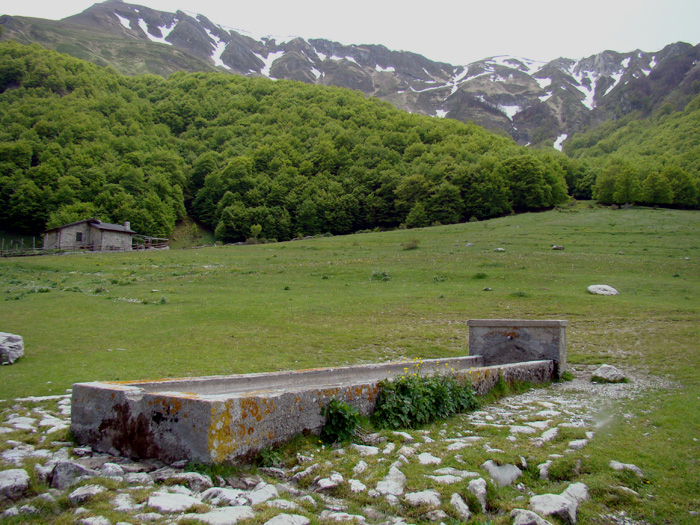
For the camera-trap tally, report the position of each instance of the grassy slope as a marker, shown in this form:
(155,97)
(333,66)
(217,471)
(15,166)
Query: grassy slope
(313,303)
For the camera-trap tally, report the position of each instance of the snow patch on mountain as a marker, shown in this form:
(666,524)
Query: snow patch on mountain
(510,111)
(560,140)
(219,48)
(544,83)
(616,79)
(124,21)
(441,113)
(381,69)
(268,61)
(165,31)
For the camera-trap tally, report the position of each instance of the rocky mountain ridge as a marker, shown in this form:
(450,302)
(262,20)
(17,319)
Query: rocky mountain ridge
(534,102)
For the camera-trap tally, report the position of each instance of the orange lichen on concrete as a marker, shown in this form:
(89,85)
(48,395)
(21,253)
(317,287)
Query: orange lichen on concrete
(221,443)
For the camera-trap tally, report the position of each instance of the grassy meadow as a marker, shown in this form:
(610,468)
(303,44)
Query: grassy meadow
(376,297)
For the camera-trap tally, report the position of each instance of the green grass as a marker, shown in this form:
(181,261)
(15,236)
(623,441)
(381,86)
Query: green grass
(317,303)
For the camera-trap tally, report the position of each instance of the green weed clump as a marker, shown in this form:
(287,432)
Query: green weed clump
(414,400)
(341,422)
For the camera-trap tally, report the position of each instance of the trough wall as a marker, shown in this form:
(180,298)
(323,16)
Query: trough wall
(501,341)
(207,424)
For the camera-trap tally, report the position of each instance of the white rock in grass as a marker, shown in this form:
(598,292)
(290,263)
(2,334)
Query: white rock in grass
(460,507)
(616,465)
(365,450)
(554,505)
(426,497)
(602,289)
(360,468)
(171,503)
(11,348)
(527,517)
(393,483)
(577,492)
(223,515)
(14,483)
(503,475)
(356,486)
(288,519)
(608,374)
(478,488)
(85,493)
(426,458)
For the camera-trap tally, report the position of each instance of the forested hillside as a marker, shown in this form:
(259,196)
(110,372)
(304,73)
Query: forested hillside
(80,141)
(652,161)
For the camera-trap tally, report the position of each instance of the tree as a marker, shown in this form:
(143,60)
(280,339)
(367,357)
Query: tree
(525,177)
(417,217)
(684,189)
(627,189)
(656,189)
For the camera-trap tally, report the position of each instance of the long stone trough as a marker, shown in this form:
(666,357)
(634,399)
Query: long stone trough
(226,418)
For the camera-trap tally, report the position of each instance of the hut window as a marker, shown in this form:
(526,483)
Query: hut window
(79,237)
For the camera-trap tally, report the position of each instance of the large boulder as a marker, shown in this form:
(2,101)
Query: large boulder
(11,348)
(608,374)
(602,289)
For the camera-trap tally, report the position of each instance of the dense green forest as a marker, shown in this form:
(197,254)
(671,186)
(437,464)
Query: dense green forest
(652,160)
(249,157)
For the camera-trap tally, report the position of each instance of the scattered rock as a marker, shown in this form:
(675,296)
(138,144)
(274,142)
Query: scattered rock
(428,459)
(283,504)
(578,444)
(85,493)
(426,497)
(554,505)
(224,497)
(500,250)
(11,348)
(503,475)
(171,503)
(331,482)
(544,469)
(616,465)
(478,487)
(356,486)
(608,374)
(436,515)
(306,472)
(365,450)
(393,483)
(557,247)
(193,480)
(14,484)
(288,519)
(602,289)
(405,437)
(359,468)
(328,515)
(527,517)
(95,520)
(577,492)
(223,515)
(262,493)
(460,507)
(65,473)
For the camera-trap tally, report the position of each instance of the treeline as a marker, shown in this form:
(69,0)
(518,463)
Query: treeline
(653,161)
(244,156)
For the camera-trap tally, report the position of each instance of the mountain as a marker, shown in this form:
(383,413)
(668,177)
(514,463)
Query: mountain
(534,102)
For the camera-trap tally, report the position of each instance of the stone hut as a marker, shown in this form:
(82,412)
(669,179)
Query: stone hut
(90,234)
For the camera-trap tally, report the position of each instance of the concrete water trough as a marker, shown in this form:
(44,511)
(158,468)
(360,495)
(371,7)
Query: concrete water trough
(224,418)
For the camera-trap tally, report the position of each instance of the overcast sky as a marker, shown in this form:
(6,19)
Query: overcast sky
(453,31)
